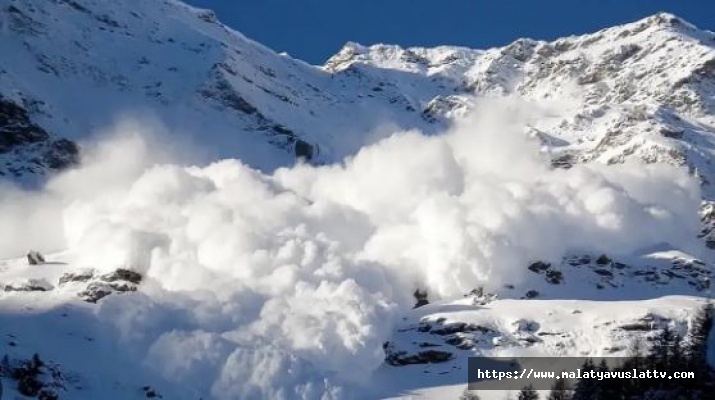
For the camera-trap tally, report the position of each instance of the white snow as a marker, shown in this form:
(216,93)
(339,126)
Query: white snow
(266,278)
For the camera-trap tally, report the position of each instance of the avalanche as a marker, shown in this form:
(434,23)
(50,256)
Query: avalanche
(286,285)
(568,171)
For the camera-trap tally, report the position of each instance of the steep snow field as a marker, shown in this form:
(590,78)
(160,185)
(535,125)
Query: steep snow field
(190,255)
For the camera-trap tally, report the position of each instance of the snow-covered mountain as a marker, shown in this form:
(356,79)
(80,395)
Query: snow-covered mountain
(570,178)
(642,89)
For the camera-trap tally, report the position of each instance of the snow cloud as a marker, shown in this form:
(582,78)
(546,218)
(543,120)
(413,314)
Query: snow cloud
(285,285)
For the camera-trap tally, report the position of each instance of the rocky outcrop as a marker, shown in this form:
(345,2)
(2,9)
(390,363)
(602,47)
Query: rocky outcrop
(16,129)
(34,377)
(28,285)
(95,287)
(35,258)
(396,357)
(551,274)
(304,150)
(26,147)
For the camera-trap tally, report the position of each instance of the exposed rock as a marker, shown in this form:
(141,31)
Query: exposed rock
(565,161)
(603,260)
(580,260)
(420,298)
(96,291)
(672,133)
(529,339)
(554,277)
(461,342)
(304,150)
(34,377)
(79,276)
(122,274)
(614,349)
(647,323)
(16,129)
(222,91)
(151,393)
(539,267)
(208,16)
(35,258)
(399,357)
(478,292)
(61,154)
(28,285)
(479,298)
(441,107)
(119,281)
(524,325)
(424,327)
(458,327)
(532,294)
(23,140)
(636,326)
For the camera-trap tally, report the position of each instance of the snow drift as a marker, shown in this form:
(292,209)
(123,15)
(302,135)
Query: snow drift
(285,285)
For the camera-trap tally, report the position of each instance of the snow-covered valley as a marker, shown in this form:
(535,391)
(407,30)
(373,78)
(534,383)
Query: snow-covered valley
(218,221)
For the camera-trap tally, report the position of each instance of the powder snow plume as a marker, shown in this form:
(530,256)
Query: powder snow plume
(285,285)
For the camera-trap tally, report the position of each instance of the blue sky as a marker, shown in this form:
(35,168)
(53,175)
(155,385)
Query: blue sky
(313,30)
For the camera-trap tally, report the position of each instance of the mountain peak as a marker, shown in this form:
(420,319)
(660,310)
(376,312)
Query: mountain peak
(664,21)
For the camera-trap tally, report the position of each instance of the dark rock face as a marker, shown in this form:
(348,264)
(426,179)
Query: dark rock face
(420,298)
(35,258)
(525,325)
(122,274)
(565,161)
(151,393)
(61,154)
(458,327)
(31,146)
(118,281)
(603,260)
(399,358)
(34,377)
(579,260)
(554,277)
(81,276)
(304,150)
(647,323)
(98,290)
(16,128)
(539,267)
(551,275)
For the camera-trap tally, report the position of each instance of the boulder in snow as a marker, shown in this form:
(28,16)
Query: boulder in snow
(122,274)
(77,276)
(35,258)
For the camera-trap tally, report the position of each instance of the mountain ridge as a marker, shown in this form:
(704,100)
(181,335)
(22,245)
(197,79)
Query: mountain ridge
(462,175)
(427,87)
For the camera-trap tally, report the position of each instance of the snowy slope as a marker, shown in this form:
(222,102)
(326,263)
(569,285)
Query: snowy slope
(640,90)
(548,173)
(643,89)
(79,66)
